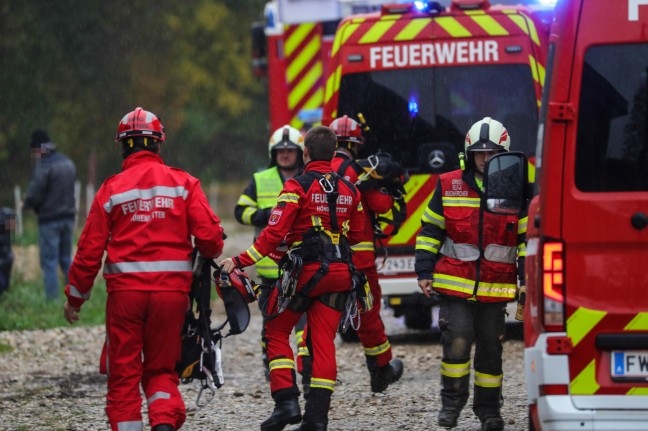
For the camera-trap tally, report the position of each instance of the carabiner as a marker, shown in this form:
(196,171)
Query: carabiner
(326,185)
(212,393)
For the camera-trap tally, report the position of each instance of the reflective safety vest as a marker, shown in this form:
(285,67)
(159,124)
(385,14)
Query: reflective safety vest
(268,185)
(472,266)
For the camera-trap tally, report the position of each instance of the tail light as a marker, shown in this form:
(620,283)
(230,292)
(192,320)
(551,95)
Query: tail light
(553,286)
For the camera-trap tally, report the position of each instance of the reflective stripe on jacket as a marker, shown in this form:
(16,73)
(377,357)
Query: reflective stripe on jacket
(299,208)
(144,218)
(466,257)
(268,186)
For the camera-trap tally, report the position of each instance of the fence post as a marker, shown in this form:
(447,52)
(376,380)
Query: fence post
(18,204)
(89,195)
(77,201)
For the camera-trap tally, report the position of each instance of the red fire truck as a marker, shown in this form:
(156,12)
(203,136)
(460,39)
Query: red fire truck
(586,316)
(420,74)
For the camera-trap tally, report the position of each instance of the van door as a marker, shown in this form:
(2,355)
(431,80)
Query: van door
(605,210)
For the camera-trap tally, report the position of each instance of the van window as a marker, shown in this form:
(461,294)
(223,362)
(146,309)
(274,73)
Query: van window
(612,137)
(411,111)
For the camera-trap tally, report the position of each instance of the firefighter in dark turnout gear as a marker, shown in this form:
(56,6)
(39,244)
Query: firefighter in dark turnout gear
(285,148)
(468,256)
(319,215)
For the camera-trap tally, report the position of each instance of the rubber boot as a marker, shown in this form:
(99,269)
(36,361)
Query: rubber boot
(493,423)
(448,417)
(309,426)
(306,373)
(286,412)
(382,377)
(316,411)
(163,427)
(454,395)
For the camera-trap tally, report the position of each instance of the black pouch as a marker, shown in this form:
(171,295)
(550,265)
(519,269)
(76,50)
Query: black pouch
(311,246)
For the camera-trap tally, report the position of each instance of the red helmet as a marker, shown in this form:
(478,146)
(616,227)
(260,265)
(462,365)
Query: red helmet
(237,291)
(140,123)
(239,281)
(347,130)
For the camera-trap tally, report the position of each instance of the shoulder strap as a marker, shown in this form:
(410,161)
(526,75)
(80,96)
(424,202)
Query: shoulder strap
(343,167)
(329,184)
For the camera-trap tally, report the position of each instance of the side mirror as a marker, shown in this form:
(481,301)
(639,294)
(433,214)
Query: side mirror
(505,183)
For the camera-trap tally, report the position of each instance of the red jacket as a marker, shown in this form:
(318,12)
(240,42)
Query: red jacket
(479,258)
(373,202)
(296,211)
(144,218)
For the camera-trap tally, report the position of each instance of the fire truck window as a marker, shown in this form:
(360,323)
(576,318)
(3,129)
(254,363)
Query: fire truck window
(612,137)
(415,113)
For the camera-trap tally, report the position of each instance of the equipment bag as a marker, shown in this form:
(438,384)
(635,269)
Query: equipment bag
(201,344)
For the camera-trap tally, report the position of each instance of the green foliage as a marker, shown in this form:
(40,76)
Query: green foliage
(30,231)
(75,67)
(24,306)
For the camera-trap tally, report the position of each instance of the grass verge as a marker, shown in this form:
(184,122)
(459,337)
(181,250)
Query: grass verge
(24,307)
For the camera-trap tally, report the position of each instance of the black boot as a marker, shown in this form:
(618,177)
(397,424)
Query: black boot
(163,427)
(316,411)
(383,376)
(311,426)
(286,412)
(492,423)
(306,373)
(448,417)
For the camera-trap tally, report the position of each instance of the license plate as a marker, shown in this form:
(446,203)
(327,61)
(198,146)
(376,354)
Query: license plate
(632,364)
(396,265)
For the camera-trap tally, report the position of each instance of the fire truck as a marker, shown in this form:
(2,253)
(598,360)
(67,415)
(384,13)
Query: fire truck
(420,74)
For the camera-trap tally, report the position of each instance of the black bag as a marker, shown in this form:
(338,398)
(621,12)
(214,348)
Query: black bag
(7,220)
(201,344)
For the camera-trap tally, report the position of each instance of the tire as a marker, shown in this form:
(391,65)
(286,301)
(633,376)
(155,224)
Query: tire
(418,317)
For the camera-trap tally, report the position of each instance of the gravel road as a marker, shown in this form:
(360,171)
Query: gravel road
(50,381)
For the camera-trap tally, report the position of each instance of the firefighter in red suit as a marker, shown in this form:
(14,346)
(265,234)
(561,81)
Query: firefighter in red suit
(144,218)
(378,352)
(303,216)
(471,258)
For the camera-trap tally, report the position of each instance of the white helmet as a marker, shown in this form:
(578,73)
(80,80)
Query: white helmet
(487,135)
(285,137)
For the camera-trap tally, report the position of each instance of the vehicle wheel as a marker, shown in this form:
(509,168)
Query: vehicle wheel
(418,317)
(350,336)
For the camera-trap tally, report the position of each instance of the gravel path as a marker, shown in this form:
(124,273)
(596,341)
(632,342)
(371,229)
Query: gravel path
(50,381)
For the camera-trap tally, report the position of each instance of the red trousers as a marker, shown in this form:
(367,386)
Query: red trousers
(322,323)
(143,345)
(372,330)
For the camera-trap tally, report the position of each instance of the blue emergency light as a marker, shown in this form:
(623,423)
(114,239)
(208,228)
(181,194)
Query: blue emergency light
(413,106)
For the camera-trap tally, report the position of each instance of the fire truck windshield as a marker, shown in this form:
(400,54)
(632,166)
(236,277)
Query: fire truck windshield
(413,113)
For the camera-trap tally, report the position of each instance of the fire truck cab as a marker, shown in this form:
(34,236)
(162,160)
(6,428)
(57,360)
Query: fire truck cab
(586,315)
(421,74)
